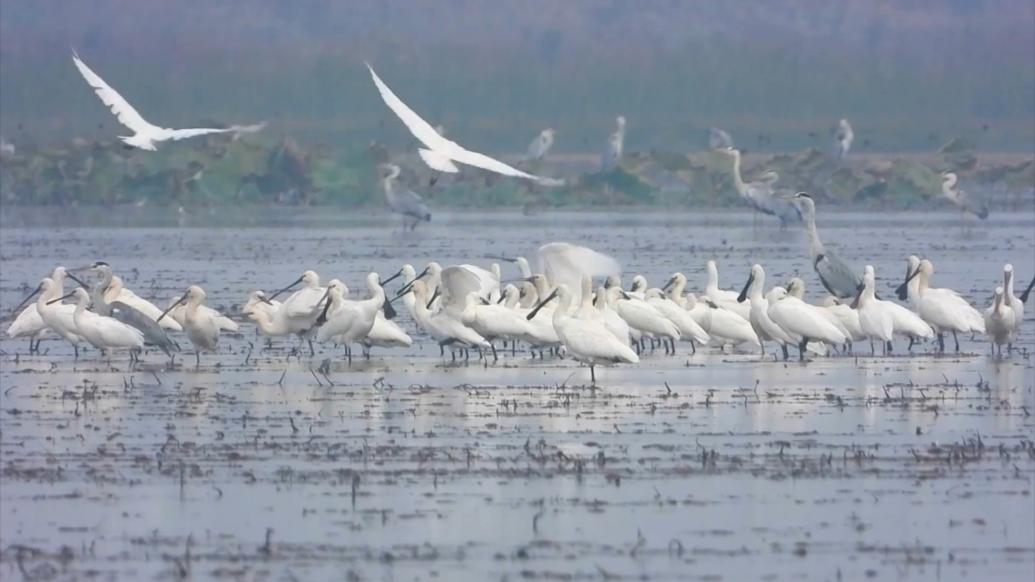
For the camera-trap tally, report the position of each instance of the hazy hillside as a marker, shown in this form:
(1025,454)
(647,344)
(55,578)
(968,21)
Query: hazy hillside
(910,74)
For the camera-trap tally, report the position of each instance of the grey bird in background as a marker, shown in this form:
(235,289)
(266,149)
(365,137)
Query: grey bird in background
(837,277)
(615,143)
(843,139)
(403,201)
(719,139)
(540,146)
(968,205)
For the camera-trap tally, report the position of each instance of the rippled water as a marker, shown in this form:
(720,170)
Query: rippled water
(699,466)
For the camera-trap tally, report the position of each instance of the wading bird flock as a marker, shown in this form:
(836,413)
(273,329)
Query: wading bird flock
(574,305)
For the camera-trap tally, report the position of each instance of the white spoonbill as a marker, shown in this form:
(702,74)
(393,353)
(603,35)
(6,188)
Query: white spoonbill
(802,321)
(59,318)
(445,326)
(588,341)
(202,326)
(353,322)
(1015,303)
(688,328)
(562,262)
(763,324)
(178,310)
(721,297)
(28,322)
(723,325)
(606,299)
(145,135)
(647,320)
(104,333)
(875,321)
(944,309)
(999,322)
(385,333)
(796,288)
(493,322)
(440,153)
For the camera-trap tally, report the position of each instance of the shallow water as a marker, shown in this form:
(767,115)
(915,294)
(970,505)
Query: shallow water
(701,466)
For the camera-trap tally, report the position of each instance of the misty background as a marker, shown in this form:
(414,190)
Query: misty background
(908,74)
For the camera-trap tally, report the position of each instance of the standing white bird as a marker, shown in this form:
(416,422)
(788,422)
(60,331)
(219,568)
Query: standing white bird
(1015,303)
(540,146)
(721,297)
(644,318)
(588,341)
(59,318)
(28,322)
(352,323)
(802,321)
(178,311)
(385,333)
(944,309)
(843,139)
(103,333)
(301,309)
(968,205)
(999,322)
(764,326)
(689,329)
(403,201)
(493,321)
(615,145)
(876,322)
(438,152)
(724,325)
(445,326)
(202,326)
(145,135)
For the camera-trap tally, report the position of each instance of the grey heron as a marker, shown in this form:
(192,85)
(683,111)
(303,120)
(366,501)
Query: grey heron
(761,195)
(150,328)
(967,204)
(403,201)
(843,139)
(837,277)
(541,145)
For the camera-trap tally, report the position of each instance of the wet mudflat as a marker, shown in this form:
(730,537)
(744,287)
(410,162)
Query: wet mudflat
(266,463)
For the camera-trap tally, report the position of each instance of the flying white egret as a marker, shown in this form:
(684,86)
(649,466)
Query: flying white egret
(145,135)
(438,152)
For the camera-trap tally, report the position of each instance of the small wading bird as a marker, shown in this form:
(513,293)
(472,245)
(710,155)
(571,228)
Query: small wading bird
(145,136)
(439,153)
(202,327)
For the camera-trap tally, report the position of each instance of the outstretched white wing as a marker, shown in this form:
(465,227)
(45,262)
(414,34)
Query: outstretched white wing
(491,164)
(420,129)
(123,111)
(178,134)
(441,150)
(567,263)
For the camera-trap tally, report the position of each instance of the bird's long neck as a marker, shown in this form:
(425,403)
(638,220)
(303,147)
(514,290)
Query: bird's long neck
(815,245)
(1008,283)
(755,293)
(713,279)
(676,291)
(738,181)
